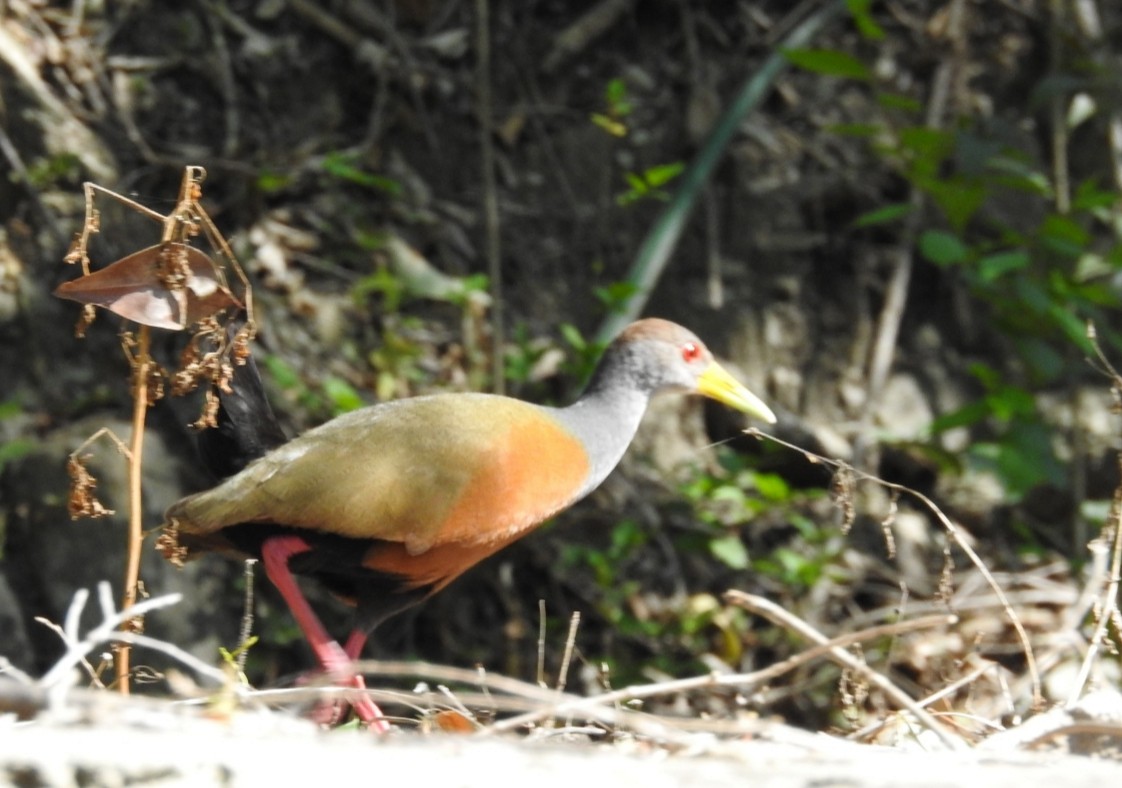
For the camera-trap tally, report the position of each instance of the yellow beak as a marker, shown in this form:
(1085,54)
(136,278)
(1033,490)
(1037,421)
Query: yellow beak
(718,384)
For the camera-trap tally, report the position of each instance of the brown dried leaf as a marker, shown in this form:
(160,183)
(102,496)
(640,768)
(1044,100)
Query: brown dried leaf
(450,721)
(167,544)
(82,502)
(169,285)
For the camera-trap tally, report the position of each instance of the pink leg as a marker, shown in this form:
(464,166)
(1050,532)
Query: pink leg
(355,642)
(333,658)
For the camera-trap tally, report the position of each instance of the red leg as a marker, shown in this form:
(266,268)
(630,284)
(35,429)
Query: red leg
(355,642)
(335,660)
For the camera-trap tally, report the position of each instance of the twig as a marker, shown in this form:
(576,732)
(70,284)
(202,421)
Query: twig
(1109,599)
(1057,109)
(896,293)
(1109,604)
(247,615)
(777,615)
(956,536)
(570,645)
(540,674)
(1088,728)
(864,733)
(141,369)
(10,670)
(572,705)
(493,239)
(591,25)
(77,648)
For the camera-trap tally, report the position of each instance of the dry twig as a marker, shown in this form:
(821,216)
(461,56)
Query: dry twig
(955,533)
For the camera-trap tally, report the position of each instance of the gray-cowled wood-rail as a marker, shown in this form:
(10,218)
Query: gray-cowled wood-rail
(388,504)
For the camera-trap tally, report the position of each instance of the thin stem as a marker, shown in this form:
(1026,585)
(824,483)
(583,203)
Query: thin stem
(142,364)
(490,189)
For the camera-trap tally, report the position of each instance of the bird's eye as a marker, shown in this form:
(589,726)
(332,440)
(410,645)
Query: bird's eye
(691,352)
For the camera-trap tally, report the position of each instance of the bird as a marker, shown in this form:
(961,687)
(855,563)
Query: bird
(388,504)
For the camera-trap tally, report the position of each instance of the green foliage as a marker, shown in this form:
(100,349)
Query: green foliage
(382,282)
(617,107)
(15,449)
(348,167)
(331,398)
(861,11)
(1043,271)
(522,355)
(828,62)
(396,359)
(586,354)
(47,172)
(724,506)
(231,658)
(1019,447)
(272,182)
(885,215)
(615,295)
(647,184)
(341,395)
(741,495)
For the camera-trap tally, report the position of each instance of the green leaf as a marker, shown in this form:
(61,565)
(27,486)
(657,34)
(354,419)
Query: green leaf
(1072,325)
(958,198)
(1032,295)
(1064,235)
(663,173)
(966,416)
(866,25)
(610,125)
(926,142)
(345,166)
(888,213)
(573,337)
(283,373)
(899,101)
(14,449)
(616,96)
(342,395)
(615,294)
(1010,402)
(729,494)
(1017,174)
(272,182)
(1089,196)
(1022,459)
(772,486)
(992,267)
(942,248)
(855,129)
(985,374)
(1043,359)
(828,62)
(730,551)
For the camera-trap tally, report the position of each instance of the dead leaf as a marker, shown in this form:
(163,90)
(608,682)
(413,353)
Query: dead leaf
(169,285)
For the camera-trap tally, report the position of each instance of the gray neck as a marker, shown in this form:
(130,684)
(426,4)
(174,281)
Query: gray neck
(605,419)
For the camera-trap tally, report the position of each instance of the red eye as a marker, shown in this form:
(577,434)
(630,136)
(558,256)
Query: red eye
(691,352)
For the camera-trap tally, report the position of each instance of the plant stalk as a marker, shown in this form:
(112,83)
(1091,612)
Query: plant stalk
(142,363)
